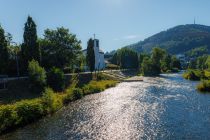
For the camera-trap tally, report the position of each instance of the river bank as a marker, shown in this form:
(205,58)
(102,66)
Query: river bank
(23,112)
(165,107)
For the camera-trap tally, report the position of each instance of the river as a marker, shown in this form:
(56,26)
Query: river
(166,107)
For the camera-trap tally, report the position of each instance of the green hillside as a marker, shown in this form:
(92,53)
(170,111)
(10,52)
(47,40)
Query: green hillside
(179,39)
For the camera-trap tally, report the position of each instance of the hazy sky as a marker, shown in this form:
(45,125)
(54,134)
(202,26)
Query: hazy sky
(116,23)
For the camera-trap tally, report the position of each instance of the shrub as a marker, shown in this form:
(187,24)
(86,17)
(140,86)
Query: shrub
(204,86)
(100,76)
(48,100)
(72,95)
(8,117)
(56,79)
(77,94)
(28,111)
(95,87)
(37,76)
(192,75)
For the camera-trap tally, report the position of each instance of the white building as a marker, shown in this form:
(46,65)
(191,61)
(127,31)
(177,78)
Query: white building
(99,56)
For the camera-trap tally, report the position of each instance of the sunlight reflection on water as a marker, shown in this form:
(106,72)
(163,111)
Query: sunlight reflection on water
(166,107)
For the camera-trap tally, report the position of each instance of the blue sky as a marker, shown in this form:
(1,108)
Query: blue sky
(115,22)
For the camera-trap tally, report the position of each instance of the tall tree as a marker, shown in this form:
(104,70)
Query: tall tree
(157,55)
(90,55)
(4,55)
(30,48)
(60,48)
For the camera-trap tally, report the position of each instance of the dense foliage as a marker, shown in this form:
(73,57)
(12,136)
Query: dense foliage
(4,54)
(159,61)
(30,47)
(37,76)
(199,69)
(126,58)
(59,48)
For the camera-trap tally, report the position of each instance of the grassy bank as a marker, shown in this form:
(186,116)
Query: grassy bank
(199,75)
(26,111)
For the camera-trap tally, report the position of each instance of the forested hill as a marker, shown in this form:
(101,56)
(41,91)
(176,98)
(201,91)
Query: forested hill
(179,39)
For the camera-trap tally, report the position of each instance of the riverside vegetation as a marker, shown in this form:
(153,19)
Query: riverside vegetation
(199,70)
(27,111)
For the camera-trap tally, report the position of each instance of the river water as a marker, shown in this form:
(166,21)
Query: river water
(166,107)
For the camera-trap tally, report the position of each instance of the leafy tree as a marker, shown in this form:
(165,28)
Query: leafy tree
(147,67)
(13,64)
(126,58)
(4,55)
(60,48)
(166,63)
(56,79)
(175,63)
(157,55)
(90,58)
(200,63)
(30,48)
(37,76)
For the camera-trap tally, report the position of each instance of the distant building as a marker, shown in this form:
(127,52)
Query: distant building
(99,56)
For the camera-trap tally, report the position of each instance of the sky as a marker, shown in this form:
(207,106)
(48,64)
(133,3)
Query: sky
(116,23)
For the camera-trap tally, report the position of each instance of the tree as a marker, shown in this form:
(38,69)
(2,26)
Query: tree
(175,63)
(4,55)
(147,67)
(60,48)
(166,63)
(30,48)
(126,58)
(157,55)
(90,58)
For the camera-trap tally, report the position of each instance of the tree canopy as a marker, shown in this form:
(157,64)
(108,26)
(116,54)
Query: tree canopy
(59,48)
(30,48)
(4,54)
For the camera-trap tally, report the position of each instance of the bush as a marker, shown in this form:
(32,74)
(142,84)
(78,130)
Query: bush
(77,94)
(95,87)
(37,76)
(8,117)
(204,86)
(72,95)
(48,100)
(56,79)
(28,111)
(192,75)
